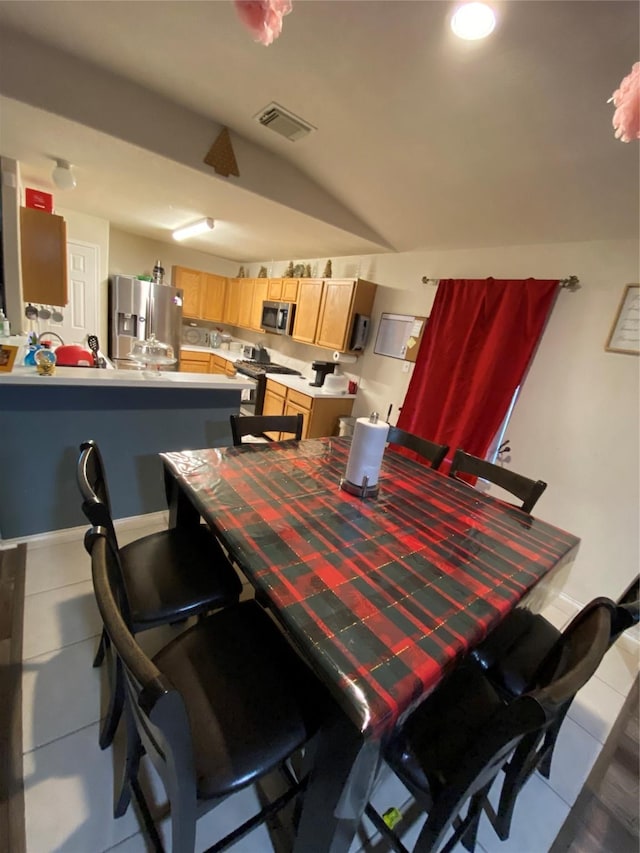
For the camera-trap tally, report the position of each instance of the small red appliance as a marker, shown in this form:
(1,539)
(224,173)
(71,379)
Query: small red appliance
(72,355)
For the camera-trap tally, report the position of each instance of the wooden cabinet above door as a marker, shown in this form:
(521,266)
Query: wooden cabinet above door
(214,295)
(43,241)
(192,284)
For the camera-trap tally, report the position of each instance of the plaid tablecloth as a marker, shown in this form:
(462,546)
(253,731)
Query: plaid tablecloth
(381,595)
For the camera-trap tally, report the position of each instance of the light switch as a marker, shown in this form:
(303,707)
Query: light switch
(405,366)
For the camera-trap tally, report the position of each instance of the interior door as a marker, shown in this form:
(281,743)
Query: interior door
(80,315)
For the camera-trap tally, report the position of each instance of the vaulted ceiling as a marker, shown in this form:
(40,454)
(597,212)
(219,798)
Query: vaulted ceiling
(422,141)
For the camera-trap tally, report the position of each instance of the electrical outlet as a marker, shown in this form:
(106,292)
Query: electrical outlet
(405,366)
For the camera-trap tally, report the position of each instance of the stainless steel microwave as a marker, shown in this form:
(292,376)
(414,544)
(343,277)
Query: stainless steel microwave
(277,317)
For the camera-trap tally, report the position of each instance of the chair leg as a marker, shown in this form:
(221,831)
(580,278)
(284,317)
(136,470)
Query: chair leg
(550,744)
(103,645)
(183,816)
(116,700)
(130,766)
(523,762)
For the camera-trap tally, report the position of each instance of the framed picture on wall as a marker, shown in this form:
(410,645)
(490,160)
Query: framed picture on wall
(7,357)
(625,332)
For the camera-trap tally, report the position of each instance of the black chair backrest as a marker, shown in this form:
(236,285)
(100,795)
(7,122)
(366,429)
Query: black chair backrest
(577,655)
(580,650)
(528,491)
(435,453)
(156,706)
(242,425)
(92,483)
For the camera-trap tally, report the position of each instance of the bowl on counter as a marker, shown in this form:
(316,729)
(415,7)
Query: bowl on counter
(335,384)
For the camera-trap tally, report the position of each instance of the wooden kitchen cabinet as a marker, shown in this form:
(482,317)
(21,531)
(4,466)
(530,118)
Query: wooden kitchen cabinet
(217,364)
(191,283)
(320,415)
(245,309)
(213,297)
(194,362)
(260,290)
(341,300)
(43,240)
(283,289)
(232,301)
(307,310)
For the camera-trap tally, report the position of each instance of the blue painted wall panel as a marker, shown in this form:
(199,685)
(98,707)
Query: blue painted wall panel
(41,429)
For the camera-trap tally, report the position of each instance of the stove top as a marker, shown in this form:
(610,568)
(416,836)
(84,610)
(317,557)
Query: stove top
(255,368)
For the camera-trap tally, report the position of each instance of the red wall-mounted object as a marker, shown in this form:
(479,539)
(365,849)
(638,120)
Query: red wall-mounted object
(38,200)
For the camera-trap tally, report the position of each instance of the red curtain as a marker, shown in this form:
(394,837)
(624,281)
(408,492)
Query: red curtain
(479,341)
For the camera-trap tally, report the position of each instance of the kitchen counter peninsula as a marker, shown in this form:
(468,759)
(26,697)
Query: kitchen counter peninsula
(133,415)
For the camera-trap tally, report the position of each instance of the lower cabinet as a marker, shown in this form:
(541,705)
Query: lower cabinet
(320,414)
(204,362)
(194,362)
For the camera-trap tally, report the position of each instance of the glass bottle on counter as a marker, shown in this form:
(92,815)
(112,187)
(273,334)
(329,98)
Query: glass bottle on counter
(158,273)
(5,325)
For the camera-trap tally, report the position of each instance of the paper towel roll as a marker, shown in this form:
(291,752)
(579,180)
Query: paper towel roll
(367,450)
(343,358)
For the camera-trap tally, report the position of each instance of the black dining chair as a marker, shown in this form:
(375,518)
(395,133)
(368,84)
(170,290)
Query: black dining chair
(526,490)
(434,453)
(169,575)
(515,657)
(451,748)
(224,704)
(258,425)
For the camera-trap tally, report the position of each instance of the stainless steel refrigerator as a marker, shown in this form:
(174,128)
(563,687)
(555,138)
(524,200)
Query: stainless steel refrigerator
(138,309)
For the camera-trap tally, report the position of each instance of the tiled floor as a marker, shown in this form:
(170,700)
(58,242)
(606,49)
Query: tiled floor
(68,780)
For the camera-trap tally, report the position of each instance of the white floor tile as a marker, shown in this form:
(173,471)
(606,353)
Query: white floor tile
(58,618)
(556,616)
(596,708)
(68,797)
(538,816)
(574,755)
(135,844)
(619,667)
(61,693)
(58,565)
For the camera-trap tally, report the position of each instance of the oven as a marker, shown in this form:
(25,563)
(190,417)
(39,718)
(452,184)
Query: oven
(252,399)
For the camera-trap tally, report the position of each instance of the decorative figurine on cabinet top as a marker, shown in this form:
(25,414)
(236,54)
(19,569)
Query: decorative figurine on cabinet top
(327,270)
(241,273)
(289,270)
(262,272)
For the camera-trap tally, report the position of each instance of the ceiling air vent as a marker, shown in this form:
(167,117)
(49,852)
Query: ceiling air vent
(283,122)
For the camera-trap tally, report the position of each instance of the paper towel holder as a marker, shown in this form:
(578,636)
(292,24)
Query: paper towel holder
(363,490)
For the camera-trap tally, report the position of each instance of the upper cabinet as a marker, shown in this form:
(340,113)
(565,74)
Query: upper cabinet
(260,293)
(307,310)
(204,293)
(326,310)
(214,296)
(191,282)
(43,241)
(282,289)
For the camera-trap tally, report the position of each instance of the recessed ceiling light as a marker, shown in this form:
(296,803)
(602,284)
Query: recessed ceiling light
(473,21)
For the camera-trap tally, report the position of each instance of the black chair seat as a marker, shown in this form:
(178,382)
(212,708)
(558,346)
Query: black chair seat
(512,654)
(173,574)
(238,654)
(436,740)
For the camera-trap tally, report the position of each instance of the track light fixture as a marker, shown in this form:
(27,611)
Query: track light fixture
(62,175)
(193,230)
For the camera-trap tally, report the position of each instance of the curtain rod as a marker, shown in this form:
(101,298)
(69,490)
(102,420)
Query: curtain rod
(571,283)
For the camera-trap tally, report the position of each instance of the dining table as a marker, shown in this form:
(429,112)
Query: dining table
(381,595)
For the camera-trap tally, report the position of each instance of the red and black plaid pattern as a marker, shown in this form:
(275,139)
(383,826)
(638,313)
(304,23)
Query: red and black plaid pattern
(382,595)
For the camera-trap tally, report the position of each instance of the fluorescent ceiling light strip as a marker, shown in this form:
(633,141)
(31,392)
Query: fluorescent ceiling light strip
(193,230)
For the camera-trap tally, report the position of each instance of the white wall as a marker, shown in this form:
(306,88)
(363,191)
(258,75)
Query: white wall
(130,254)
(577,422)
(10,171)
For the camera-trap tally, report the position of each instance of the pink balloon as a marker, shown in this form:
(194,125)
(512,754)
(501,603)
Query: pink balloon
(626,99)
(263,17)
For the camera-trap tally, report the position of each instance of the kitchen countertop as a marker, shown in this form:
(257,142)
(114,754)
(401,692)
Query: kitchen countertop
(75,376)
(299,383)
